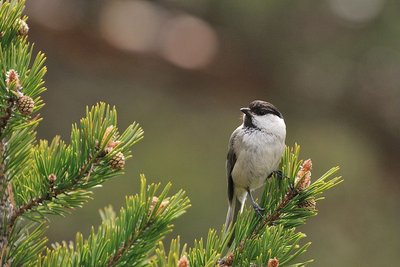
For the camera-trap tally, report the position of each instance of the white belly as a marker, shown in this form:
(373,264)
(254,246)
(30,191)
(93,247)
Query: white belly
(259,156)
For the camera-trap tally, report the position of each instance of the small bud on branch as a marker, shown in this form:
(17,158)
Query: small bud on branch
(12,80)
(23,27)
(52,178)
(227,261)
(274,262)
(154,202)
(111,144)
(303,178)
(183,262)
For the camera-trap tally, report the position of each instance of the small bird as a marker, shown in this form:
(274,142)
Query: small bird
(254,152)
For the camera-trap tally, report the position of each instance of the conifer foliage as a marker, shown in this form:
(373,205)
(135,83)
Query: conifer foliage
(39,178)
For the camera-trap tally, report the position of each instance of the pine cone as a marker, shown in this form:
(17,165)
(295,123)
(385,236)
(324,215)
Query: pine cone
(25,105)
(309,204)
(118,161)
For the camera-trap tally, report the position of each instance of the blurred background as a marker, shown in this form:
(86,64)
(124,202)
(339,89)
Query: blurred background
(182,69)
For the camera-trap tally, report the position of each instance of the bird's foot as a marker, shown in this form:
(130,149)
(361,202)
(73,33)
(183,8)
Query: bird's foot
(278,174)
(258,209)
(292,188)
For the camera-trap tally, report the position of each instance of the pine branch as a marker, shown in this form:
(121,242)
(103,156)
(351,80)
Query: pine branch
(268,241)
(30,242)
(16,108)
(275,216)
(53,193)
(283,199)
(90,159)
(293,191)
(126,245)
(10,12)
(270,219)
(127,239)
(4,205)
(177,256)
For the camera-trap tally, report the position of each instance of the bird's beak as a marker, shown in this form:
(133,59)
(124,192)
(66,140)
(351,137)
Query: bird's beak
(245,111)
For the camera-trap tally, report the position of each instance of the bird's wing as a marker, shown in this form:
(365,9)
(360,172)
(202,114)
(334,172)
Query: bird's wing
(230,163)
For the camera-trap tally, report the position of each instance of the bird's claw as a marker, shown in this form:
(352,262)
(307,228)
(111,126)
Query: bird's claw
(258,209)
(292,187)
(278,174)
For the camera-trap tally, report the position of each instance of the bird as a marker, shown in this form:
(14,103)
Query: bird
(254,152)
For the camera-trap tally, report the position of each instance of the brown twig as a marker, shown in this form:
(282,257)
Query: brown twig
(275,216)
(6,208)
(114,259)
(292,192)
(7,115)
(32,203)
(270,219)
(119,253)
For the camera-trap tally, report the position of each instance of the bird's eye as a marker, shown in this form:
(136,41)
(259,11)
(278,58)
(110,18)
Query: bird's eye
(262,112)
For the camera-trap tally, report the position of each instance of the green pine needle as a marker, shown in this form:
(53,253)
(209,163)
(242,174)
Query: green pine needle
(126,239)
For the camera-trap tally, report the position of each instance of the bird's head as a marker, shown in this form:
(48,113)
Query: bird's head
(261,115)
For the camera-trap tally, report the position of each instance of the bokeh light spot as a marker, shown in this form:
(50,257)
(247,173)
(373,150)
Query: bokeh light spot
(56,14)
(188,42)
(130,25)
(357,11)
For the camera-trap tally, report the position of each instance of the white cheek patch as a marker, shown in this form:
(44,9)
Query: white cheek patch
(271,124)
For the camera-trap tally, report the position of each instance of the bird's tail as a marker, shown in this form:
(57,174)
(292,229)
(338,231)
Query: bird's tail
(235,206)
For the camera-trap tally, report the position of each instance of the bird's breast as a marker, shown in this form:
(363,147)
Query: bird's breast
(258,155)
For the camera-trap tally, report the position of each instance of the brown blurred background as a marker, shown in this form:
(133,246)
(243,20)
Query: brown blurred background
(182,69)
